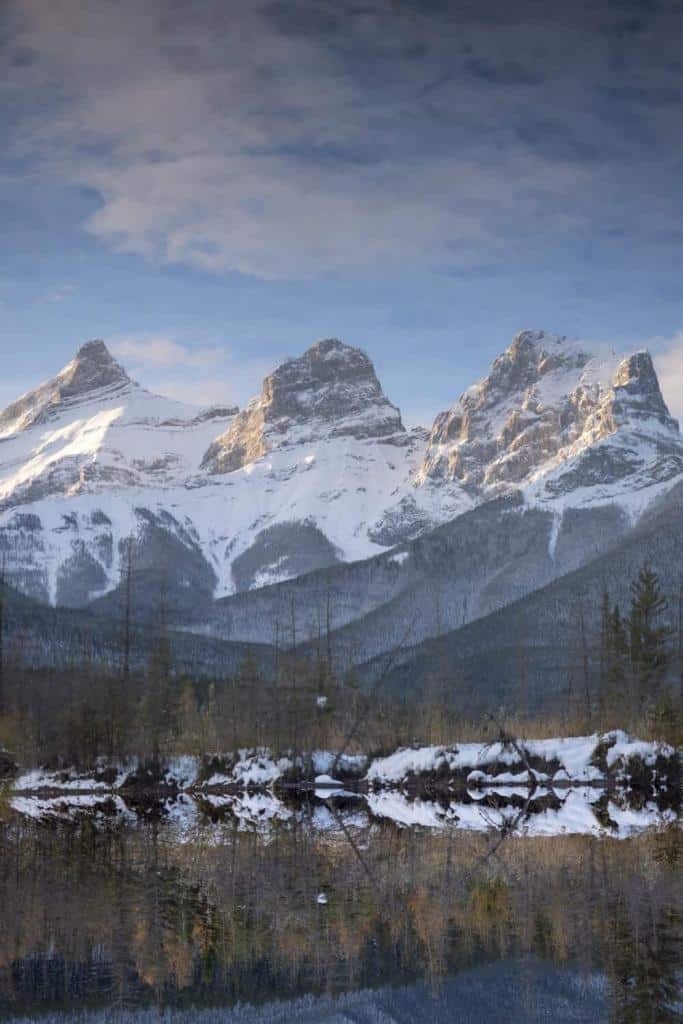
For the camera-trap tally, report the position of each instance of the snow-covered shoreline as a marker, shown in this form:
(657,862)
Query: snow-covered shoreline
(613,758)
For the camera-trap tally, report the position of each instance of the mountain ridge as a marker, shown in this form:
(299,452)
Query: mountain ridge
(317,470)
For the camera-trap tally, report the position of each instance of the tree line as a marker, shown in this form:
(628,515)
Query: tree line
(146,704)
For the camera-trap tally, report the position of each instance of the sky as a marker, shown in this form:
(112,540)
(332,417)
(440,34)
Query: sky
(211,186)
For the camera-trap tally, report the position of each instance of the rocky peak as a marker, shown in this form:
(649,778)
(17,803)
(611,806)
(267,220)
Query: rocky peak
(546,400)
(331,390)
(93,368)
(331,382)
(531,356)
(637,393)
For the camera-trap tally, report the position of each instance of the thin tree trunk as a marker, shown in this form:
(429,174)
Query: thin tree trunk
(2,634)
(328,635)
(586,674)
(127,607)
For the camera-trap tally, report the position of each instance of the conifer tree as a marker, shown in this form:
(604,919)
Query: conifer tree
(613,654)
(648,635)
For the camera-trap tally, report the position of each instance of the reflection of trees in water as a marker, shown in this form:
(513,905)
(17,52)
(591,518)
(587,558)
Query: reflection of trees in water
(643,961)
(128,917)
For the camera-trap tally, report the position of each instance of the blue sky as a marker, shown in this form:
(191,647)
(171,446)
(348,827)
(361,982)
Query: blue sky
(212,186)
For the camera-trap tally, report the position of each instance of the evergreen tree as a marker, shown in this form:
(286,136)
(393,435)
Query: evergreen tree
(643,970)
(613,655)
(612,646)
(648,636)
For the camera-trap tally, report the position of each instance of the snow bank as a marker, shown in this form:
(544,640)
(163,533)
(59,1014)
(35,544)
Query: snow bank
(40,779)
(576,760)
(251,769)
(563,760)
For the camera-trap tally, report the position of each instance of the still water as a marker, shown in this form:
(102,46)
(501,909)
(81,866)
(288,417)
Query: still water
(331,911)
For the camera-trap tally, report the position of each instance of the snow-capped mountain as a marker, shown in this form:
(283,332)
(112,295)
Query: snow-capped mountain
(91,427)
(569,426)
(297,481)
(317,470)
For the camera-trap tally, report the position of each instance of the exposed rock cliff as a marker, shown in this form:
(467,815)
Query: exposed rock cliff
(92,369)
(555,417)
(330,391)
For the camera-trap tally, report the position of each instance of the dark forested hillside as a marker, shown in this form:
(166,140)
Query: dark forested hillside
(543,644)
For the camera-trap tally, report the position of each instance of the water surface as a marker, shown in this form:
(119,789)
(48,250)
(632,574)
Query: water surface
(335,911)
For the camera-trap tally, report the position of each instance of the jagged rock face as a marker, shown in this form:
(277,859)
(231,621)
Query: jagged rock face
(92,369)
(330,391)
(636,393)
(550,405)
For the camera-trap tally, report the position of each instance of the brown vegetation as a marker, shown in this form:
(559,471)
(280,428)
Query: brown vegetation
(132,917)
(71,717)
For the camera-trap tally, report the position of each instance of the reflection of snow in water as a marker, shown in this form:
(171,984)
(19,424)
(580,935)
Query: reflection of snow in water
(579,811)
(96,806)
(240,789)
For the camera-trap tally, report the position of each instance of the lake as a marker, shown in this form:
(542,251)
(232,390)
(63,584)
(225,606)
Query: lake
(253,909)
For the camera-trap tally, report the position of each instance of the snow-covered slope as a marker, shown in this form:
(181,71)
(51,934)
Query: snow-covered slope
(90,458)
(318,469)
(92,426)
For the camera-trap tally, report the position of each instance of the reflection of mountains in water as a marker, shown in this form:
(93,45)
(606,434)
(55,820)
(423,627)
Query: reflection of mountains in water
(586,810)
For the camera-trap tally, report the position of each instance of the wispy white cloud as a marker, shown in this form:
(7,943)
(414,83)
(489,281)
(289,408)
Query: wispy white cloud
(200,375)
(161,350)
(203,391)
(669,365)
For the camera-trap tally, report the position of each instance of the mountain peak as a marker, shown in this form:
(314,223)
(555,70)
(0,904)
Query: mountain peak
(531,355)
(637,394)
(322,382)
(330,355)
(331,390)
(95,349)
(92,368)
(547,400)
